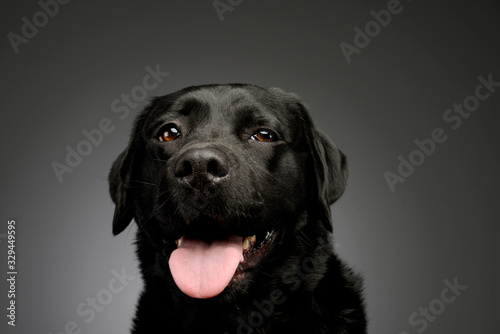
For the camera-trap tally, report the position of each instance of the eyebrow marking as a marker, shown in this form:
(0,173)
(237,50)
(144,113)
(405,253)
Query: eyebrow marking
(186,106)
(251,116)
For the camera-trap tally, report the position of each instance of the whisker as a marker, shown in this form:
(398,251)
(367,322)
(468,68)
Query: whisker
(142,182)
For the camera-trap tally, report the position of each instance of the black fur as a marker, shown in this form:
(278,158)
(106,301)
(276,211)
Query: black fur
(300,285)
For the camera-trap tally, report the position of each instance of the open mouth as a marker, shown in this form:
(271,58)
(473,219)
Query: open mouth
(253,252)
(206,262)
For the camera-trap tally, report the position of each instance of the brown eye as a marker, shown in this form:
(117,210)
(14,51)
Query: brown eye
(265,135)
(169,132)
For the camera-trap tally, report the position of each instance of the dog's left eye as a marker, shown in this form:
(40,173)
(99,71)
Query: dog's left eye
(169,132)
(265,135)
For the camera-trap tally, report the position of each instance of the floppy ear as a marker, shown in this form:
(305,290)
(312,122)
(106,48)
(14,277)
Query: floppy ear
(329,164)
(120,175)
(330,167)
(119,180)
(122,171)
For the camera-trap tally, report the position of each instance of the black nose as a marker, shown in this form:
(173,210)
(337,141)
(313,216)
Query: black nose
(200,166)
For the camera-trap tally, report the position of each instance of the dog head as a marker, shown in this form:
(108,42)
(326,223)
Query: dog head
(216,176)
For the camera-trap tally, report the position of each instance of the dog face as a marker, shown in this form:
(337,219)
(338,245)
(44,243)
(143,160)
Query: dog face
(221,179)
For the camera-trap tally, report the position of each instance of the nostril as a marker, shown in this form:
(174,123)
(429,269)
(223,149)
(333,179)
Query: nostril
(183,169)
(197,167)
(217,168)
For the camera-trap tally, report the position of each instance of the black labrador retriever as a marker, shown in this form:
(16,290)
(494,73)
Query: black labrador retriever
(231,187)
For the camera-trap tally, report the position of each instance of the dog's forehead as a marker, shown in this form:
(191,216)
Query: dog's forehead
(225,100)
(219,95)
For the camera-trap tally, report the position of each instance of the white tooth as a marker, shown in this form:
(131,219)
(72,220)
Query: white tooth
(179,241)
(246,243)
(268,235)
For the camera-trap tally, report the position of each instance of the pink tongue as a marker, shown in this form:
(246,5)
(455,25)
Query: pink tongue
(203,270)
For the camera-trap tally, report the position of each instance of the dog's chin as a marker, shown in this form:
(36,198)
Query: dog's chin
(210,261)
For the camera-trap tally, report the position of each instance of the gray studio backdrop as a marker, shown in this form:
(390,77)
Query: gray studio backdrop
(409,90)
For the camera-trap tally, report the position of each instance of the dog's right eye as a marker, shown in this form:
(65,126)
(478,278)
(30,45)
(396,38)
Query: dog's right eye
(169,132)
(265,135)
